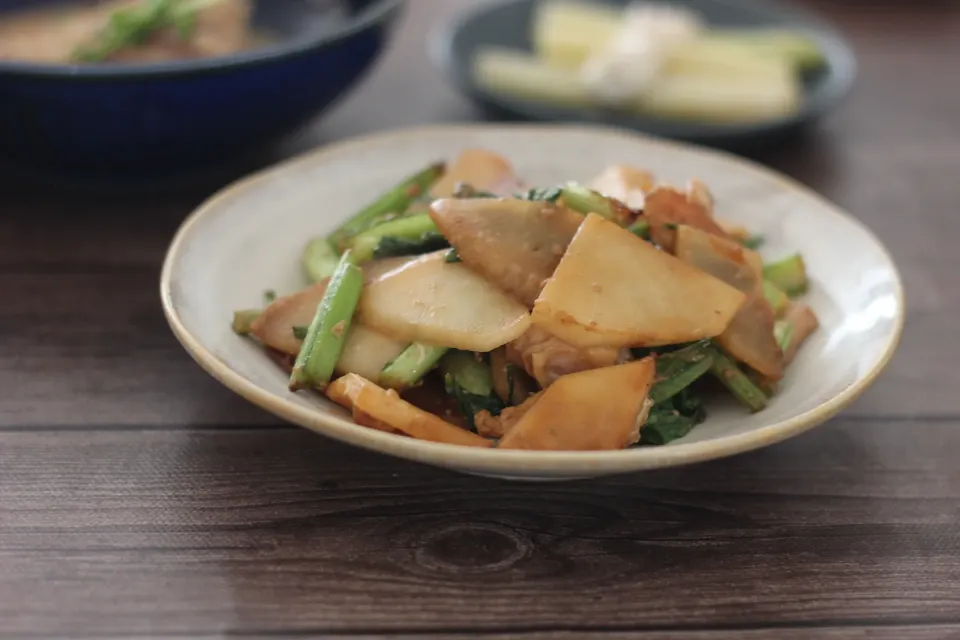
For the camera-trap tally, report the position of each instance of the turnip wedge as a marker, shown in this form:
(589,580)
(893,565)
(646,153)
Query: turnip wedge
(515,244)
(594,410)
(274,327)
(444,303)
(613,289)
(387,408)
(749,338)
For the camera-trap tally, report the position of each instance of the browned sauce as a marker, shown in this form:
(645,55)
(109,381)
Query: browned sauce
(53,35)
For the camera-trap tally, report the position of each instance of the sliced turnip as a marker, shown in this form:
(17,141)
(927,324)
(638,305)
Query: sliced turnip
(613,289)
(594,410)
(442,303)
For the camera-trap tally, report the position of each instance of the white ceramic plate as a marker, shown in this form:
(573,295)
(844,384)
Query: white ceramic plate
(248,238)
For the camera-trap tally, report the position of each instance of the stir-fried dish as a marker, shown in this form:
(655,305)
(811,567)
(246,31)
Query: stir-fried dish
(465,307)
(652,58)
(127,31)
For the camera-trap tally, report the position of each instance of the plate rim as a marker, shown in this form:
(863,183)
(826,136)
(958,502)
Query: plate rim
(511,462)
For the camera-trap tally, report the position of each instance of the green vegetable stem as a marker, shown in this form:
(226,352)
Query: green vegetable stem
(408,368)
(325,338)
(403,236)
(730,375)
(468,378)
(394,201)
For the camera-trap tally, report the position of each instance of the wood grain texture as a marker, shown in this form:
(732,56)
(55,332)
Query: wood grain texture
(166,532)
(138,498)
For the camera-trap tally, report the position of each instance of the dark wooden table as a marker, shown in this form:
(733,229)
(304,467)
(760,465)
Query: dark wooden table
(138,498)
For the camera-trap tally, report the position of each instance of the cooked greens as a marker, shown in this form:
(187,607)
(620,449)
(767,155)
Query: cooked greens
(508,312)
(468,379)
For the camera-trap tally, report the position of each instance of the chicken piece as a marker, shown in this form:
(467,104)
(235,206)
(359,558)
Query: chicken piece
(221,29)
(546,357)
(386,408)
(515,244)
(803,322)
(55,35)
(595,410)
(749,336)
(666,208)
(52,35)
(627,184)
(510,380)
(481,169)
(699,194)
(490,426)
(736,231)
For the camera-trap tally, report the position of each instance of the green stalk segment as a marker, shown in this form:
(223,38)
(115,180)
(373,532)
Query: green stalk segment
(468,379)
(776,298)
(408,368)
(243,320)
(402,236)
(783,332)
(679,369)
(728,373)
(789,274)
(394,201)
(640,228)
(319,259)
(325,338)
(583,200)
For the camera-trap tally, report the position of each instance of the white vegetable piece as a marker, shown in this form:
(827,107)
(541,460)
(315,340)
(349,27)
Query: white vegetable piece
(591,410)
(438,302)
(613,289)
(366,352)
(629,65)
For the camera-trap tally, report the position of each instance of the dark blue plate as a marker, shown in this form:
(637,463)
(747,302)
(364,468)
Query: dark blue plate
(507,24)
(119,122)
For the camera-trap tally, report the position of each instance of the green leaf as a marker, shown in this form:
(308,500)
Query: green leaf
(390,246)
(468,379)
(640,228)
(678,369)
(471,403)
(549,194)
(673,419)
